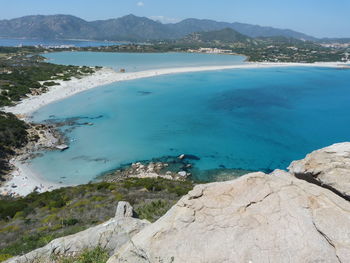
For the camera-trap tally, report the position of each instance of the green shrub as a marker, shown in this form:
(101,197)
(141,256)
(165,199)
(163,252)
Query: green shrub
(70,222)
(4,257)
(97,255)
(153,210)
(50,83)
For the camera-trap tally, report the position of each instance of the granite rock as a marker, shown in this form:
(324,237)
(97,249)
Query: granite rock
(256,218)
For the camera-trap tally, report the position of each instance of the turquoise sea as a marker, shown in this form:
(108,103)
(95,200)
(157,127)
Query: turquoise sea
(133,62)
(253,119)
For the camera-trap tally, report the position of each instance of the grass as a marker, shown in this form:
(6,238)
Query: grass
(97,255)
(32,222)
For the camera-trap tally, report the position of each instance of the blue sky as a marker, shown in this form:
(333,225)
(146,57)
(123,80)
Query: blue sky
(321,18)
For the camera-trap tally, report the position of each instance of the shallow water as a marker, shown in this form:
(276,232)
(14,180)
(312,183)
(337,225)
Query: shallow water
(250,119)
(133,62)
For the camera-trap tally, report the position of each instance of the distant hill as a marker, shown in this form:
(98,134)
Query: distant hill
(129,27)
(48,27)
(191,25)
(226,35)
(335,40)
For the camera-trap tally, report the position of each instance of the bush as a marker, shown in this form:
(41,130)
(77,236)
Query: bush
(4,257)
(70,222)
(10,209)
(153,210)
(97,255)
(33,221)
(50,83)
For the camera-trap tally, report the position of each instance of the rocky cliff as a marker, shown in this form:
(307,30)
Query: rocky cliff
(328,167)
(298,216)
(257,218)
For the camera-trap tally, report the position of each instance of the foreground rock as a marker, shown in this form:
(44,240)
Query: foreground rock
(301,216)
(329,167)
(256,218)
(110,235)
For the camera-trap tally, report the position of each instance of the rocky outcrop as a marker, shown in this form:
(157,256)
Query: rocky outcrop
(256,218)
(301,216)
(111,235)
(329,167)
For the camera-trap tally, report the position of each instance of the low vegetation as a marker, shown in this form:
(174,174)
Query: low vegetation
(263,49)
(23,73)
(13,134)
(97,255)
(32,222)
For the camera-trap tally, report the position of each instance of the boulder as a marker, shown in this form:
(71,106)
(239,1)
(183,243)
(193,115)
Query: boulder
(124,210)
(255,218)
(110,235)
(329,167)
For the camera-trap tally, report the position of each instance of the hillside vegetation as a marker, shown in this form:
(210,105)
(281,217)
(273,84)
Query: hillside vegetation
(22,73)
(226,35)
(32,222)
(13,134)
(126,28)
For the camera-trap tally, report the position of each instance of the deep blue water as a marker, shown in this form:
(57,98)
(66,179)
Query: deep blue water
(251,119)
(13,42)
(138,62)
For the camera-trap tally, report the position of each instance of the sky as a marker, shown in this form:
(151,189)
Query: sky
(320,18)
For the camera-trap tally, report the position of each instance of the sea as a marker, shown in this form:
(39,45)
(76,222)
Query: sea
(241,119)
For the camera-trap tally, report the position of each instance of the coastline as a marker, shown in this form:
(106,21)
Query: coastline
(107,76)
(24,181)
(27,180)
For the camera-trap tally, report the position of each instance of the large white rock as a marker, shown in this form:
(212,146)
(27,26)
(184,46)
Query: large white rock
(109,235)
(330,166)
(256,218)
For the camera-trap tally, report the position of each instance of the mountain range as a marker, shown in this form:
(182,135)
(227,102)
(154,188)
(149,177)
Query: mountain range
(127,28)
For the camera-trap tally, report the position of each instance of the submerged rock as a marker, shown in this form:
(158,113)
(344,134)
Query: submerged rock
(62,147)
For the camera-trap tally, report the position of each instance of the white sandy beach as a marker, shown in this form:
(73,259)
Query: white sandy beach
(26,180)
(107,76)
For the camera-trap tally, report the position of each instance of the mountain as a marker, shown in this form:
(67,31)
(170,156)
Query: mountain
(191,25)
(47,27)
(128,27)
(131,28)
(226,35)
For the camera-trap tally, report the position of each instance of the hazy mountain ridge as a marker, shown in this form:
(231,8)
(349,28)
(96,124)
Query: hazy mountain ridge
(226,35)
(128,27)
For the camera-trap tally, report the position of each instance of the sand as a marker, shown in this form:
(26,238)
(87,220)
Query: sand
(25,181)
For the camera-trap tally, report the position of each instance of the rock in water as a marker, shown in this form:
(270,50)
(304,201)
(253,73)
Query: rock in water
(181,157)
(62,147)
(329,166)
(255,218)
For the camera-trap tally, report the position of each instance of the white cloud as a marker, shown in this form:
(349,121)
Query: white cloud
(140,4)
(164,19)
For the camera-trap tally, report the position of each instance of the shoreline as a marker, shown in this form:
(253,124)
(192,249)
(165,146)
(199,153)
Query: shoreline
(107,76)
(27,180)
